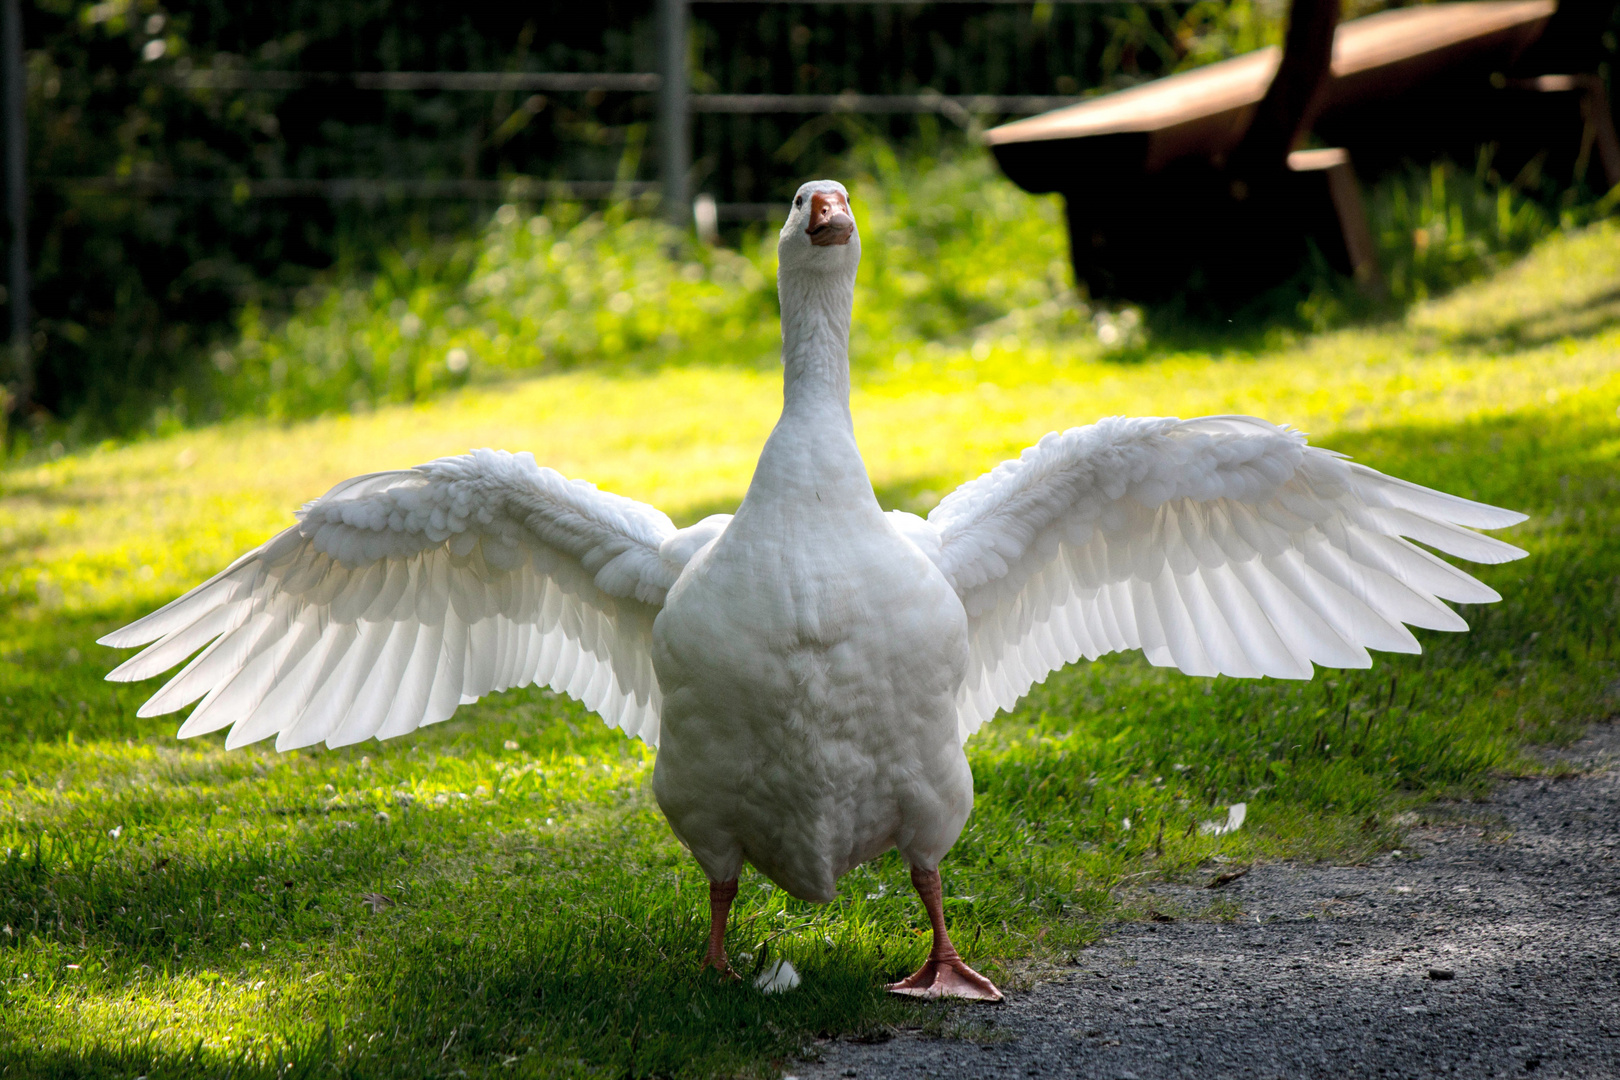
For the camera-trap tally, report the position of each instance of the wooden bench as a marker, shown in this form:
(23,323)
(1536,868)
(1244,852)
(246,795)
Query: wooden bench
(1170,180)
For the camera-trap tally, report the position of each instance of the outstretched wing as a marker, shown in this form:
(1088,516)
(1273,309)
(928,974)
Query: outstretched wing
(1224,545)
(401,595)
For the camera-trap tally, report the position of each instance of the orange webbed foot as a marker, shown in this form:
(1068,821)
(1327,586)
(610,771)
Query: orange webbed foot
(948,977)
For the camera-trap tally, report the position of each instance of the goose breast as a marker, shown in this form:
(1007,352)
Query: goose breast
(809,671)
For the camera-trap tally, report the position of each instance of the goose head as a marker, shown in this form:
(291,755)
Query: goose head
(820,235)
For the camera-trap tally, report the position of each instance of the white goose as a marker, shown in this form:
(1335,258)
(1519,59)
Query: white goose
(810,668)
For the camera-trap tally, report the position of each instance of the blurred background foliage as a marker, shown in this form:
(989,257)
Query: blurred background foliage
(168,294)
(956,251)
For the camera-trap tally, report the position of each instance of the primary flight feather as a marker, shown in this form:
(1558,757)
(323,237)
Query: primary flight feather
(810,668)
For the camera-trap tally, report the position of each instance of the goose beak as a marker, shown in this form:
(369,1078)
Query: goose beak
(830,223)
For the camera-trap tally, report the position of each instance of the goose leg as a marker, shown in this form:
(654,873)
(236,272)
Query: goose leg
(721,894)
(945,974)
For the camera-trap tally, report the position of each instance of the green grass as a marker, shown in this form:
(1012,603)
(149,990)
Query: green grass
(171,910)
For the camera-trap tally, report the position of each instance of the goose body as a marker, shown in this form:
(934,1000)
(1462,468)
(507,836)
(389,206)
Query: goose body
(810,668)
(809,659)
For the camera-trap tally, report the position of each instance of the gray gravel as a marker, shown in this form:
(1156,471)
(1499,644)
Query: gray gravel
(1490,946)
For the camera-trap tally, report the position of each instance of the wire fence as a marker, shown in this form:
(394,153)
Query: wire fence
(191,162)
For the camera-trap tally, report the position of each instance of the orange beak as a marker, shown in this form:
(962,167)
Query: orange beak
(830,223)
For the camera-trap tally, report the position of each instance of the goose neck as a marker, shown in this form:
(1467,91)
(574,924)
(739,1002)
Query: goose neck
(815,339)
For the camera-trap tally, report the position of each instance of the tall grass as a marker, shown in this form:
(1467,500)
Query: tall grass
(949,247)
(534,291)
(1438,226)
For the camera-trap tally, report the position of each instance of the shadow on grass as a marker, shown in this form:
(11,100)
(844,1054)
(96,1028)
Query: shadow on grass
(1553,321)
(1313,299)
(1316,299)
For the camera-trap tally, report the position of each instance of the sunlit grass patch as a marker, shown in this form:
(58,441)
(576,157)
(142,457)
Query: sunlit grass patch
(498,895)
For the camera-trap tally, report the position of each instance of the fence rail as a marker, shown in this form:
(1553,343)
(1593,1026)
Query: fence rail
(959,108)
(851,102)
(365,189)
(556,82)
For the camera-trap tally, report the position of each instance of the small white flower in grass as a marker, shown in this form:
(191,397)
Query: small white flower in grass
(382,817)
(1126,823)
(1234,821)
(510,744)
(116,831)
(779,978)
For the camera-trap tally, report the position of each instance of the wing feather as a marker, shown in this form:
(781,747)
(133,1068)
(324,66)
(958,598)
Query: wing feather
(411,700)
(211,668)
(298,686)
(1220,546)
(400,596)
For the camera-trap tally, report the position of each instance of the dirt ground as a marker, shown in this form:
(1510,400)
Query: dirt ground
(1488,946)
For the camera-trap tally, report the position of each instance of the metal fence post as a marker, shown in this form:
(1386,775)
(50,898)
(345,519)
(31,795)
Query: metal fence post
(15,87)
(674,117)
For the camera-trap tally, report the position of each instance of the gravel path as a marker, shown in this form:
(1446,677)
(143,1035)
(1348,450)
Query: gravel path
(1490,946)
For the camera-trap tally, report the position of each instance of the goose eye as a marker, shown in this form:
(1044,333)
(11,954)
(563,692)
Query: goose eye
(799,201)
